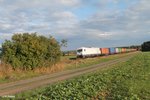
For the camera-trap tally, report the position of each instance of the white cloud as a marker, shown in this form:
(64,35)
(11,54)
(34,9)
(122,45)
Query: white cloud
(38,16)
(63,15)
(70,2)
(6,36)
(97,34)
(61,18)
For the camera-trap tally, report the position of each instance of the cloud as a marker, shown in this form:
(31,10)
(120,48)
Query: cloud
(107,22)
(72,3)
(65,15)
(42,16)
(6,36)
(117,27)
(131,22)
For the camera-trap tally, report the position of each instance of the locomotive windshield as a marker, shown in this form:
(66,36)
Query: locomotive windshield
(80,50)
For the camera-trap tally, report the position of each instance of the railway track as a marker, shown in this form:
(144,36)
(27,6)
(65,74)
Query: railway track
(28,84)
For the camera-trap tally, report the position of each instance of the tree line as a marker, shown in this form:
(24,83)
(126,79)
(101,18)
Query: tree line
(146,46)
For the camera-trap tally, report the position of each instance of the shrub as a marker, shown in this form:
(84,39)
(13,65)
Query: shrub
(27,51)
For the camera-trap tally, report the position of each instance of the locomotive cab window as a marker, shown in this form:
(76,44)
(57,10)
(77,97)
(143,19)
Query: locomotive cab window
(80,50)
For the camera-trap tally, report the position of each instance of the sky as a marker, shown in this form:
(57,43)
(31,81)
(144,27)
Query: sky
(83,23)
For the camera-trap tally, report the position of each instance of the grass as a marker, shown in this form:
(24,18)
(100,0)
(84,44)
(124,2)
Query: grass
(124,81)
(66,63)
(7,74)
(92,61)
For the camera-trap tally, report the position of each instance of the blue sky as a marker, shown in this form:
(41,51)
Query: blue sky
(97,23)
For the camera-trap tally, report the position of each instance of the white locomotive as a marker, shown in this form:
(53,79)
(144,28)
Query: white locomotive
(88,52)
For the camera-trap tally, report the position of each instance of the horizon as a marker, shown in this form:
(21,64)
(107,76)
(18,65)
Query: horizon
(84,23)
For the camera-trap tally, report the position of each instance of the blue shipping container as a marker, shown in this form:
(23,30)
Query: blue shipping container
(112,50)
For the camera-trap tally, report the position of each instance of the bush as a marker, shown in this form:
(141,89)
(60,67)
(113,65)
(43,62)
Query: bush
(27,51)
(146,46)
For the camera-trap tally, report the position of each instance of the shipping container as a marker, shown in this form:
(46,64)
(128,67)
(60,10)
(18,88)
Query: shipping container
(123,50)
(112,50)
(133,49)
(117,50)
(104,51)
(120,50)
(127,50)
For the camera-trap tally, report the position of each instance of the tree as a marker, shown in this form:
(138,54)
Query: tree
(64,44)
(146,46)
(28,51)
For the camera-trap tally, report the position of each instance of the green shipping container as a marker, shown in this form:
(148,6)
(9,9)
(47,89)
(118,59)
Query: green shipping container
(120,50)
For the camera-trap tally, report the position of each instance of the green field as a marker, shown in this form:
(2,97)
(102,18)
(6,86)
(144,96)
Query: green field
(124,81)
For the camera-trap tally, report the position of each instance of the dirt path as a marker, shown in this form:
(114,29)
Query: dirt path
(23,85)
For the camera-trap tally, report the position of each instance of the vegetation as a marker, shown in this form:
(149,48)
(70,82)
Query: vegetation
(28,51)
(69,53)
(63,44)
(0,51)
(128,80)
(71,62)
(7,74)
(146,46)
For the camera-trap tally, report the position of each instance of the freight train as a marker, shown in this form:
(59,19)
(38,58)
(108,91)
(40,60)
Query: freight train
(84,52)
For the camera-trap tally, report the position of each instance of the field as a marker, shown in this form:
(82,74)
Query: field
(123,81)
(66,63)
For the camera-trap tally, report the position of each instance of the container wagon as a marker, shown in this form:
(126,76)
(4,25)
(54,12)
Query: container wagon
(127,50)
(123,50)
(118,50)
(112,50)
(104,51)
